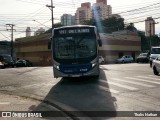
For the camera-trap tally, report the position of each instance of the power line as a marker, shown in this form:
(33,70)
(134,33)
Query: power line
(41,16)
(5,36)
(138,8)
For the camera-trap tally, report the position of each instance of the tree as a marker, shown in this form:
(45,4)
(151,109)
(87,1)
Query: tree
(144,42)
(89,22)
(147,41)
(113,24)
(108,25)
(155,40)
(97,23)
(131,27)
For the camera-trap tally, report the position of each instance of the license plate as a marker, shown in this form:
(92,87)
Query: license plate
(75,75)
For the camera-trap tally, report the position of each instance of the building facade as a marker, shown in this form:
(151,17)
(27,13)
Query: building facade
(114,45)
(101,10)
(39,31)
(28,32)
(103,1)
(149,26)
(119,43)
(83,13)
(67,20)
(35,49)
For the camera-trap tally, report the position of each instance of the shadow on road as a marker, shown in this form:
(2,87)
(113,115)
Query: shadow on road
(87,95)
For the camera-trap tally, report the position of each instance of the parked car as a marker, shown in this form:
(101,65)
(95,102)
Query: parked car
(143,57)
(155,52)
(6,61)
(125,59)
(1,65)
(23,63)
(29,63)
(156,65)
(101,60)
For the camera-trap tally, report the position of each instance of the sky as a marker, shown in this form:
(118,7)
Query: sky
(35,14)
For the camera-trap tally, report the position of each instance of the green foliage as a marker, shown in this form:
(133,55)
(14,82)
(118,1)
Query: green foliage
(155,40)
(89,22)
(113,24)
(146,42)
(131,27)
(109,25)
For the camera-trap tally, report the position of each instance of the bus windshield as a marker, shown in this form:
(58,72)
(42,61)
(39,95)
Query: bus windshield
(75,47)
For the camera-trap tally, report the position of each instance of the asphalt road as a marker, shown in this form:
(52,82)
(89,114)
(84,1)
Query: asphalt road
(122,88)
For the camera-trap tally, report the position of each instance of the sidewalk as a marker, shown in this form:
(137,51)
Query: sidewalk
(15,103)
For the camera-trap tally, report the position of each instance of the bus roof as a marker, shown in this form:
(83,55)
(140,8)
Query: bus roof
(5,55)
(156,47)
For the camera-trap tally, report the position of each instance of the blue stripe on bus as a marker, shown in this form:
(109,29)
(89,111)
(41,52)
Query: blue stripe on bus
(75,69)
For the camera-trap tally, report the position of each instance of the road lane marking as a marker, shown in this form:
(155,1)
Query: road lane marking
(123,86)
(5,103)
(37,85)
(153,75)
(108,89)
(136,83)
(120,85)
(148,77)
(138,79)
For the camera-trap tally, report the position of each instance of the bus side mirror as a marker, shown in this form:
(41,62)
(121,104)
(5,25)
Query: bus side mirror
(49,43)
(100,42)
(148,54)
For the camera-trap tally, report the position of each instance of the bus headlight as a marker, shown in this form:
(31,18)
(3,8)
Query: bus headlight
(93,65)
(56,66)
(2,63)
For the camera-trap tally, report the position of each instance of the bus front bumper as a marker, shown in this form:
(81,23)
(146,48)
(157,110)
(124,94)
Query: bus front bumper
(93,72)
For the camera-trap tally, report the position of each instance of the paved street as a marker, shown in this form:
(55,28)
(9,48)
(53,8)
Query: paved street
(120,87)
(14,105)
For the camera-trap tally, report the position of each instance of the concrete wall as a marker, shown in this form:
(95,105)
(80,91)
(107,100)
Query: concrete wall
(35,50)
(119,43)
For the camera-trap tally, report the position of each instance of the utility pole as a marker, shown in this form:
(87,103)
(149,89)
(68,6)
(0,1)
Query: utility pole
(150,32)
(11,26)
(51,8)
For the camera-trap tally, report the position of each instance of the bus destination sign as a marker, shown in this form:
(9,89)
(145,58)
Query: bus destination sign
(73,31)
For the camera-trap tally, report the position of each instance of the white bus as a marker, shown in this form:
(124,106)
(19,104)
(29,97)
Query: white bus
(75,51)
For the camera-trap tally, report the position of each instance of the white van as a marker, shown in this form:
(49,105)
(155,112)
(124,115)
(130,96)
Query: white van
(155,52)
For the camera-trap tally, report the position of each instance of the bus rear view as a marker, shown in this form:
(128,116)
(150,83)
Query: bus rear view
(75,51)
